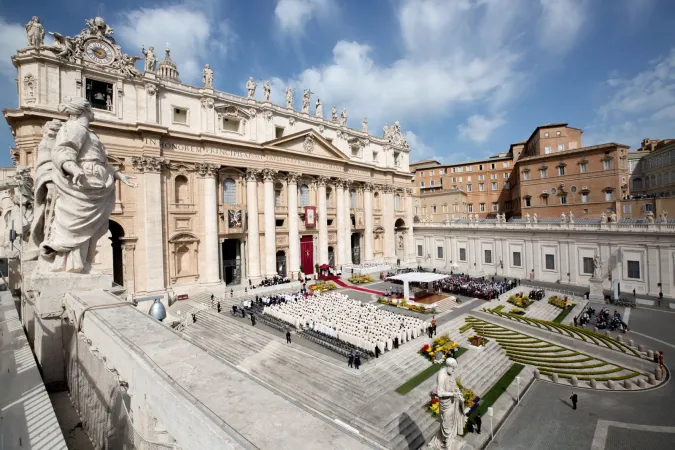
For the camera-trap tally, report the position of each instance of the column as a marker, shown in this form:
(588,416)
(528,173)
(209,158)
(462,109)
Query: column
(348,225)
(242,263)
(368,213)
(210,273)
(410,245)
(293,225)
(270,224)
(252,224)
(388,219)
(128,250)
(323,222)
(340,257)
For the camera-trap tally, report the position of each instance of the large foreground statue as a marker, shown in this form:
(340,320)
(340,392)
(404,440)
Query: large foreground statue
(84,185)
(451,404)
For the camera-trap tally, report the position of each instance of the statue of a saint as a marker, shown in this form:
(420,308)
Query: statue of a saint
(289,98)
(343,117)
(535,219)
(305,101)
(603,217)
(207,77)
(35,33)
(563,218)
(150,59)
(663,217)
(333,114)
(597,266)
(364,124)
(650,217)
(385,131)
(527,218)
(250,87)
(85,193)
(267,91)
(612,217)
(319,108)
(571,217)
(451,405)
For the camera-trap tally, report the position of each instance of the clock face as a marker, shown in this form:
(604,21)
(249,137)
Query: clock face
(99,52)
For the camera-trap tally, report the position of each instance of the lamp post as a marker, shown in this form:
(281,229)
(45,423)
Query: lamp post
(491,413)
(518,386)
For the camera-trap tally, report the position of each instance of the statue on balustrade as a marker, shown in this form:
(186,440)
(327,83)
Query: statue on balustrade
(451,405)
(597,266)
(16,212)
(83,194)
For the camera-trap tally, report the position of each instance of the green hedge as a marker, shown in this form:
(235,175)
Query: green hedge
(565,366)
(590,374)
(560,317)
(621,378)
(424,375)
(465,327)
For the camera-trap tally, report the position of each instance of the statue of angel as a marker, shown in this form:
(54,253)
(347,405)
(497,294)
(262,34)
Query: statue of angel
(63,46)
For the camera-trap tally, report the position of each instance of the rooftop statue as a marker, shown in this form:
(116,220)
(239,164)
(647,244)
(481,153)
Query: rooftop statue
(150,59)
(333,113)
(364,124)
(250,88)
(343,117)
(305,101)
(35,33)
(207,77)
(319,108)
(267,91)
(289,98)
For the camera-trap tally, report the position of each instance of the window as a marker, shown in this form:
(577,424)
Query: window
(494,186)
(469,188)
(229,192)
(528,201)
(495,207)
(507,205)
(462,254)
(230,124)
(547,149)
(277,198)
(563,199)
(416,210)
(431,173)
(493,176)
(420,250)
(607,164)
(421,183)
(352,200)
(588,265)
(454,180)
(543,173)
(181,190)
(421,174)
(608,196)
(445,208)
(585,211)
(441,171)
(279,222)
(561,171)
(516,259)
(439,252)
(648,207)
(482,207)
(550,262)
(584,197)
(545,135)
(431,183)
(180,115)
(634,269)
(561,147)
(480,167)
(470,207)
(553,191)
(100,94)
(573,189)
(468,179)
(468,168)
(481,187)
(398,201)
(583,168)
(493,165)
(507,185)
(433,209)
(488,257)
(505,164)
(278,132)
(557,133)
(304,195)
(506,175)
(626,209)
(526,175)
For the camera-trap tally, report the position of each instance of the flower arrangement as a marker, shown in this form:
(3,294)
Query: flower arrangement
(361,279)
(517,311)
(440,349)
(478,341)
(521,301)
(560,302)
(470,399)
(322,287)
(404,305)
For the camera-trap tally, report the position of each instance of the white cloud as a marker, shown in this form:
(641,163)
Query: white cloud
(479,128)
(13,37)
(639,106)
(561,23)
(293,15)
(195,35)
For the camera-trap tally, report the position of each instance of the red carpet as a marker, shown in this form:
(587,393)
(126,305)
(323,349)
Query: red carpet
(329,277)
(357,288)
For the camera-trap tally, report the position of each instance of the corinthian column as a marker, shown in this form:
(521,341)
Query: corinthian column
(410,244)
(270,224)
(368,213)
(340,222)
(388,219)
(293,226)
(348,225)
(323,222)
(210,273)
(253,238)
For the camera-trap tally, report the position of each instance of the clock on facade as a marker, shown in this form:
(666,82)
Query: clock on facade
(99,52)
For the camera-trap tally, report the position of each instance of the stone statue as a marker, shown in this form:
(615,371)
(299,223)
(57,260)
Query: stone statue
(663,217)
(289,98)
(35,33)
(343,117)
(385,131)
(563,218)
(527,218)
(597,266)
(395,136)
(603,217)
(400,241)
(650,217)
(305,101)
(451,405)
(64,46)
(250,87)
(129,67)
(150,59)
(364,125)
(85,193)
(12,201)
(97,27)
(612,217)
(267,91)
(319,108)
(207,77)
(571,217)
(535,219)
(333,113)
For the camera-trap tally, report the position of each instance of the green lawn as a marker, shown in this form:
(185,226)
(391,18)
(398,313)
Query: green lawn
(425,374)
(560,317)
(497,390)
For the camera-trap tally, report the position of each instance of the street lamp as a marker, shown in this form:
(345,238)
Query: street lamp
(518,386)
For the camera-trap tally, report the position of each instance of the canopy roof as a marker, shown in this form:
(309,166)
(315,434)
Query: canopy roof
(420,277)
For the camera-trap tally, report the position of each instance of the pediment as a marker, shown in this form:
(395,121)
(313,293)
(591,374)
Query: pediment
(307,142)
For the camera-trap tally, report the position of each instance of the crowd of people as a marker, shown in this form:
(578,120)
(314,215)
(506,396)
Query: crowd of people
(482,287)
(267,282)
(603,319)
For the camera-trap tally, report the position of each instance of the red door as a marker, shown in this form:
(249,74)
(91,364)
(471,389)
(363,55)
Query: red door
(307,254)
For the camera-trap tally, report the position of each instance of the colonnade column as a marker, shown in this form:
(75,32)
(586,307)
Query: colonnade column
(388,219)
(270,223)
(211,269)
(340,222)
(368,213)
(348,226)
(253,237)
(293,225)
(323,222)
(410,245)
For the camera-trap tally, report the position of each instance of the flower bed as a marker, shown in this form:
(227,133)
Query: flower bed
(361,279)
(322,286)
(404,305)
(517,311)
(520,300)
(560,302)
(478,341)
(440,349)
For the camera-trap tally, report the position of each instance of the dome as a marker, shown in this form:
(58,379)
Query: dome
(167,68)
(157,310)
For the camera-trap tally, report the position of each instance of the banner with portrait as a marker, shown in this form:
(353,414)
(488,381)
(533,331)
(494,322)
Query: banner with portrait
(310,216)
(234,218)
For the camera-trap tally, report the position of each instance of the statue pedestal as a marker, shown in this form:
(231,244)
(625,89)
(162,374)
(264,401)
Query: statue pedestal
(596,291)
(42,316)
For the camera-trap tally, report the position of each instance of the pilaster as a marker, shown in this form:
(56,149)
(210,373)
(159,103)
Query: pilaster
(210,272)
(293,223)
(368,216)
(270,223)
(323,222)
(252,225)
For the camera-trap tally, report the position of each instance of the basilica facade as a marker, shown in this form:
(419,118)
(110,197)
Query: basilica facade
(230,188)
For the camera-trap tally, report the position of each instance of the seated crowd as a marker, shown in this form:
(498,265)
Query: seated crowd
(273,281)
(360,324)
(481,287)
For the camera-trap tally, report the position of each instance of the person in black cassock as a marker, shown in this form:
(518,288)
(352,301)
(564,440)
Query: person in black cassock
(574,399)
(478,421)
(350,359)
(288,337)
(377,351)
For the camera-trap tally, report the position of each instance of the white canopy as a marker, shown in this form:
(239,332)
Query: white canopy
(420,277)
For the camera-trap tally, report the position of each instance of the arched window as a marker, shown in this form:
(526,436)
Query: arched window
(304,195)
(352,197)
(278,189)
(181,187)
(229,192)
(376,200)
(398,202)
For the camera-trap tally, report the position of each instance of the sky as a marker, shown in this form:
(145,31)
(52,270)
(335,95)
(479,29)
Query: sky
(465,78)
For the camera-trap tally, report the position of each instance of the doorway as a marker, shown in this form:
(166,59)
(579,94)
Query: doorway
(116,233)
(231,261)
(281,263)
(356,248)
(307,254)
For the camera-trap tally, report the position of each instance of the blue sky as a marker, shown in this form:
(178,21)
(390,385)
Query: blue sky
(465,78)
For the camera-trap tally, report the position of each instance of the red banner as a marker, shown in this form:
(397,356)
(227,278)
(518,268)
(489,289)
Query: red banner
(310,216)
